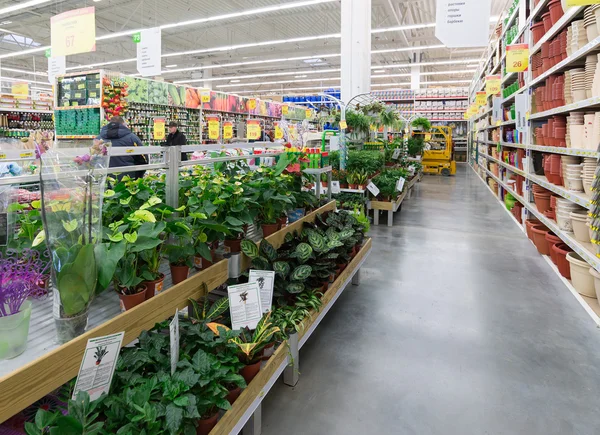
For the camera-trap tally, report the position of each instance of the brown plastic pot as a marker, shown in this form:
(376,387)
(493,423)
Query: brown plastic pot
(269,229)
(282,222)
(154,287)
(268,351)
(234,245)
(233,395)
(528,224)
(127,302)
(207,424)
(551,240)
(561,250)
(249,372)
(542,202)
(539,238)
(179,273)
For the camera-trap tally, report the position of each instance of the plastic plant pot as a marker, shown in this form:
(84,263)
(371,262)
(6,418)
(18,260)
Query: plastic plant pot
(539,238)
(581,278)
(551,240)
(561,250)
(127,302)
(596,276)
(14,330)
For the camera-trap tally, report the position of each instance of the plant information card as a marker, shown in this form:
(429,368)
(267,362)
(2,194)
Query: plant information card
(98,365)
(244,305)
(174,333)
(265,280)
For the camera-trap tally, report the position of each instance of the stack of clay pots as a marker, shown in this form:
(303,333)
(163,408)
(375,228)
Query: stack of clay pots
(553,169)
(587,173)
(578,85)
(589,22)
(575,130)
(591,63)
(541,197)
(576,36)
(572,176)
(563,210)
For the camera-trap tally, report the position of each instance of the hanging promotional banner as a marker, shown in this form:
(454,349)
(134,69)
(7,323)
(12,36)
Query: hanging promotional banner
(149,50)
(343,125)
(20,90)
(251,104)
(493,85)
(214,127)
(308,113)
(463,24)
(285,109)
(159,129)
(582,2)
(293,133)
(73,32)
(481,99)
(253,129)
(517,58)
(278,131)
(205,96)
(227,130)
(56,66)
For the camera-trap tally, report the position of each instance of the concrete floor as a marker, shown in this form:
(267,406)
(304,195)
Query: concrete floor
(458,327)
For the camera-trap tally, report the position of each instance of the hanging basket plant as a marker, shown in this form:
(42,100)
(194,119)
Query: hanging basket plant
(421,124)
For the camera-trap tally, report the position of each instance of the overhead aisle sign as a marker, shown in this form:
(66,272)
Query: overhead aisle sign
(73,32)
(463,23)
(149,50)
(481,99)
(56,66)
(493,85)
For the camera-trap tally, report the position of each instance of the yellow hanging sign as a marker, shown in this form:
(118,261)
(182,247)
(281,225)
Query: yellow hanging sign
(582,2)
(293,132)
(517,58)
(205,96)
(251,104)
(278,131)
(227,130)
(73,32)
(343,125)
(308,113)
(20,90)
(481,99)
(159,129)
(493,85)
(214,127)
(253,129)
(285,109)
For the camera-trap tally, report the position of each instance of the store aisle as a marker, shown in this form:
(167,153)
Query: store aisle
(459,327)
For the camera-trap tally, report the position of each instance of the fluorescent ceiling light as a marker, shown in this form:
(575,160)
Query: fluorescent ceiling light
(400,28)
(3,23)
(309,88)
(280,82)
(12,79)
(431,73)
(379,71)
(253,76)
(171,66)
(300,76)
(93,65)
(22,71)
(442,62)
(394,50)
(235,81)
(494,18)
(22,5)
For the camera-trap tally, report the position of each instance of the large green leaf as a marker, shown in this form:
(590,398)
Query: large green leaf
(303,252)
(301,273)
(295,287)
(261,263)
(250,249)
(282,268)
(267,250)
(346,233)
(107,255)
(77,281)
(218,308)
(174,417)
(316,241)
(332,244)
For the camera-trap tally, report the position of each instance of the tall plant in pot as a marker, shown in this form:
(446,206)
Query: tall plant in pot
(20,280)
(180,250)
(272,201)
(72,195)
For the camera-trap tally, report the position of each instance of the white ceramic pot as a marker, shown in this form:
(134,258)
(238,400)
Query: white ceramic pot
(581,278)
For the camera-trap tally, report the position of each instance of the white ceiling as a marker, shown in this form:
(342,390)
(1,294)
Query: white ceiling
(322,19)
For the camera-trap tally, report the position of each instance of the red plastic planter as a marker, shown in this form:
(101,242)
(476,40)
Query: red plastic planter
(552,240)
(539,238)
(561,250)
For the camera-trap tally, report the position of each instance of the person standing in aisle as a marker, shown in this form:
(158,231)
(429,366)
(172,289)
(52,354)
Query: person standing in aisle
(176,137)
(120,136)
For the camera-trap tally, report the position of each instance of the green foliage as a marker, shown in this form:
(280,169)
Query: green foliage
(366,161)
(415,146)
(422,123)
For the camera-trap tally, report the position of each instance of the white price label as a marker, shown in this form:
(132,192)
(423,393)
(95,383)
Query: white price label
(245,306)
(396,154)
(400,184)
(265,279)
(174,332)
(373,189)
(335,187)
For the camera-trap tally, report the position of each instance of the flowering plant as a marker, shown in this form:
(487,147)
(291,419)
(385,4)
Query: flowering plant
(21,277)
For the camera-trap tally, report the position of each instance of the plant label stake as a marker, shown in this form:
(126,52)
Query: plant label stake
(335,187)
(373,189)
(265,279)
(396,154)
(98,365)
(174,332)
(244,305)
(400,184)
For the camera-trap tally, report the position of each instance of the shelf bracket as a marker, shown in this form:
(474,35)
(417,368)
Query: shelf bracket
(356,278)
(254,424)
(291,373)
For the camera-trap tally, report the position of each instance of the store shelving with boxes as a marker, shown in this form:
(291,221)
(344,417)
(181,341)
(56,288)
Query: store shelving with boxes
(20,115)
(543,154)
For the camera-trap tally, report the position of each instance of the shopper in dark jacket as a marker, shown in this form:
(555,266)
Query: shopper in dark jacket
(120,136)
(176,137)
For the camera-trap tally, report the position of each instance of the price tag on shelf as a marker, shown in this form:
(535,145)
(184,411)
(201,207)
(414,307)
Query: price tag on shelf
(396,154)
(174,336)
(335,187)
(81,86)
(400,184)
(129,150)
(20,90)
(205,96)
(285,109)
(93,94)
(278,131)
(213,127)
(581,2)
(158,129)
(517,58)
(98,365)
(2,156)
(26,155)
(481,99)
(493,85)
(373,189)
(227,130)
(73,32)
(343,125)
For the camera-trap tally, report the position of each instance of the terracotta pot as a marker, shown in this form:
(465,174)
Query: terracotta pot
(154,287)
(282,222)
(249,372)
(551,240)
(269,229)
(539,238)
(325,184)
(542,202)
(343,185)
(268,351)
(179,273)
(528,224)
(234,245)
(353,186)
(561,250)
(127,302)
(233,395)
(206,425)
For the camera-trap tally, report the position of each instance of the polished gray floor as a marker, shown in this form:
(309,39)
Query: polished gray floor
(459,327)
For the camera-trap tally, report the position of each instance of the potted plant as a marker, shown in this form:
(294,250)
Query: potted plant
(20,279)
(180,251)
(72,194)
(361,179)
(421,124)
(273,203)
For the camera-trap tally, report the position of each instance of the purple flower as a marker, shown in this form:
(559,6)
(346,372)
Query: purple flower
(104,151)
(79,160)
(22,276)
(86,158)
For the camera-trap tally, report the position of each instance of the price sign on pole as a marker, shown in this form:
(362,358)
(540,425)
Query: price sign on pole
(285,109)
(159,129)
(227,130)
(492,85)
(308,113)
(205,96)
(343,125)
(278,131)
(517,58)
(214,127)
(20,90)
(481,99)
(253,129)
(73,32)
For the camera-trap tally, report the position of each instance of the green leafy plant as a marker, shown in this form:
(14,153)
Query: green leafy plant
(422,123)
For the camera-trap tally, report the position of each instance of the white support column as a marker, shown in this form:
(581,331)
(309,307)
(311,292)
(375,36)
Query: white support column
(356,48)
(415,77)
(207,75)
